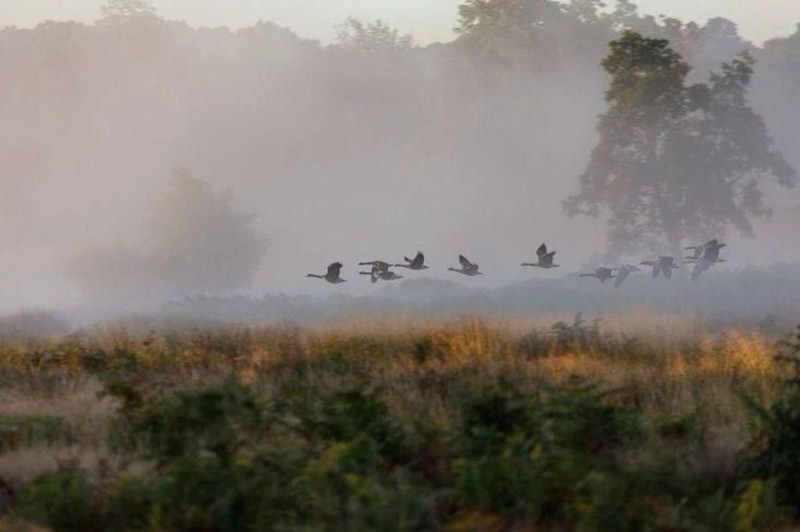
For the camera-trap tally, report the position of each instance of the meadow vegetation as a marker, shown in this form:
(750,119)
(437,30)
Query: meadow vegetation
(401,424)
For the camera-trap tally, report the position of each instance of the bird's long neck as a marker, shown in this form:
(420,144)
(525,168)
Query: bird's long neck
(315,276)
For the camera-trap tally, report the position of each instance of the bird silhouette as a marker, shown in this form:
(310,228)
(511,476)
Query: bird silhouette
(378,272)
(545,259)
(601,273)
(332,276)
(663,264)
(467,267)
(417,263)
(704,256)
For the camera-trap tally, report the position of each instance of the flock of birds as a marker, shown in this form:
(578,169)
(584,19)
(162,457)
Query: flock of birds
(703,257)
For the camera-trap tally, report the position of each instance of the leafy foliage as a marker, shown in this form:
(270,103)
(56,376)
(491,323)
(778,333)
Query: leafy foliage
(676,161)
(375,36)
(779,456)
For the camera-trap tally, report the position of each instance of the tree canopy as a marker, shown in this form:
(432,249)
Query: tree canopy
(676,161)
(196,241)
(127,8)
(376,36)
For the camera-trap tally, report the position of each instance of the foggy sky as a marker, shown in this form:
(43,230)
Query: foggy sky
(133,122)
(427,20)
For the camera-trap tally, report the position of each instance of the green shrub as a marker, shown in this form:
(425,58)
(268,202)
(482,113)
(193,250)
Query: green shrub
(32,431)
(779,454)
(63,500)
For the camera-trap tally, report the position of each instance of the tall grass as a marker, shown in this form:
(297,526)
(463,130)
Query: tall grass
(404,423)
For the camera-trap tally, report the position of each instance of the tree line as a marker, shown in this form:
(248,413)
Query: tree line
(516,90)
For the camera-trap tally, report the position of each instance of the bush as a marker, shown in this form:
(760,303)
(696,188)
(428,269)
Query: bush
(64,500)
(779,455)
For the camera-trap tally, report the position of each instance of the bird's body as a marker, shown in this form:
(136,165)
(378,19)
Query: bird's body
(623,272)
(708,251)
(417,263)
(332,276)
(663,264)
(704,256)
(603,274)
(380,273)
(467,267)
(545,259)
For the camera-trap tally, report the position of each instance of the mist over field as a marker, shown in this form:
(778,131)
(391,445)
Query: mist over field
(145,161)
(602,333)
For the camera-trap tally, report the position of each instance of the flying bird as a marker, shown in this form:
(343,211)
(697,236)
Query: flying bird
(332,276)
(704,256)
(545,259)
(601,273)
(708,251)
(417,263)
(467,267)
(381,265)
(663,264)
(623,272)
(379,272)
(711,251)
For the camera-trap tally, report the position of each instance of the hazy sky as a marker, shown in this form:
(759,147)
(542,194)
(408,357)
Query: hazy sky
(428,20)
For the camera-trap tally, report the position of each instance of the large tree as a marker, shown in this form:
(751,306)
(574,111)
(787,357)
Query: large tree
(675,161)
(195,241)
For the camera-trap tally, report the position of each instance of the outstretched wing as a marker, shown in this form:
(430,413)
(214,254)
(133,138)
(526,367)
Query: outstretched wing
(383,266)
(547,258)
(541,251)
(334,269)
(419,260)
(465,263)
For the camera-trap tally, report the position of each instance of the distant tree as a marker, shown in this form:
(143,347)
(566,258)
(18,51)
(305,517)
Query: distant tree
(376,36)
(675,161)
(509,32)
(127,8)
(196,241)
(199,241)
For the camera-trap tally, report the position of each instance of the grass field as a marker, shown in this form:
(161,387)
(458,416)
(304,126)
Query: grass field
(399,423)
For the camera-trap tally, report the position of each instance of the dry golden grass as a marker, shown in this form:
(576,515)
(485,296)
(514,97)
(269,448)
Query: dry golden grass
(672,368)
